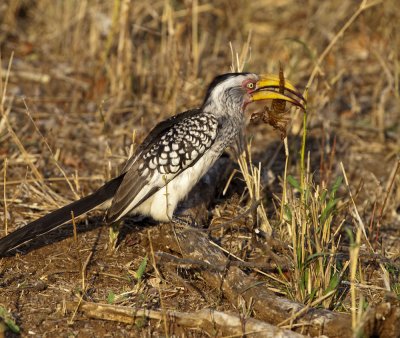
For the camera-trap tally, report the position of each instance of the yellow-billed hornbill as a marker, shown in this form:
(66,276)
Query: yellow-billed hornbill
(172,158)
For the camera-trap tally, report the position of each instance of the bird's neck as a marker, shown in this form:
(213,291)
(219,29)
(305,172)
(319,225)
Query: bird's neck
(230,121)
(224,110)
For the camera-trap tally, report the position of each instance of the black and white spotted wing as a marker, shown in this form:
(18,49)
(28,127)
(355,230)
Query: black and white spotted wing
(171,147)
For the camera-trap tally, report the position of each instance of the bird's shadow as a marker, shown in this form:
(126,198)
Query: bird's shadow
(66,230)
(57,235)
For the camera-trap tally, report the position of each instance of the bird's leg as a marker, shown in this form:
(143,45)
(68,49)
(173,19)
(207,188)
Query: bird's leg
(114,234)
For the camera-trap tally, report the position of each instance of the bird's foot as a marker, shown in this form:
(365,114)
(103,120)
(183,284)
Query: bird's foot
(184,221)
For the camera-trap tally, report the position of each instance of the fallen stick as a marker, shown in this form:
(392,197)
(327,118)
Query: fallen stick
(267,306)
(216,323)
(234,283)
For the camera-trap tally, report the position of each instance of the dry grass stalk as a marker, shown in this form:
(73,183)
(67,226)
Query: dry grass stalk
(252,178)
(251,174)
(164,311)
(76,195)
(389,190)
(316,269)
(364,5)
(5,196)
(356,312)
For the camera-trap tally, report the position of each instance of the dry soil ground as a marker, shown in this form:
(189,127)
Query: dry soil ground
(88,80)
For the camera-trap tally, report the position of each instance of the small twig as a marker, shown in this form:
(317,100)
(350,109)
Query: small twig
(363,286)
(387,195)
(306,308)
(7,77)
(189,261)
(30,76)
(164,315)
(84,267)
(83,274)
(74,227)
(217,267)
(5,196)
(77,305)
(358,217)
(230,254)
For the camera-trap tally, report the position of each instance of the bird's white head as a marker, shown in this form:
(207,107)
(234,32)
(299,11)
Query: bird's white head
(232,92)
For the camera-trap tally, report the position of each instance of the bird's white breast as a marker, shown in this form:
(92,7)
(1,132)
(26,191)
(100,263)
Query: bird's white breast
(163,203)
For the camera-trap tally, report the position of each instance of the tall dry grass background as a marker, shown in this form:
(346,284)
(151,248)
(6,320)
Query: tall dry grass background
(82,83)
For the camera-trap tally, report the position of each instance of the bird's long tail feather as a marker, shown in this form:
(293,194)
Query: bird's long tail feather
(59,216)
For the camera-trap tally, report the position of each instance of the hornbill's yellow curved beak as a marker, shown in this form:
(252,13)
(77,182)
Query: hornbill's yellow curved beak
(269,87)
